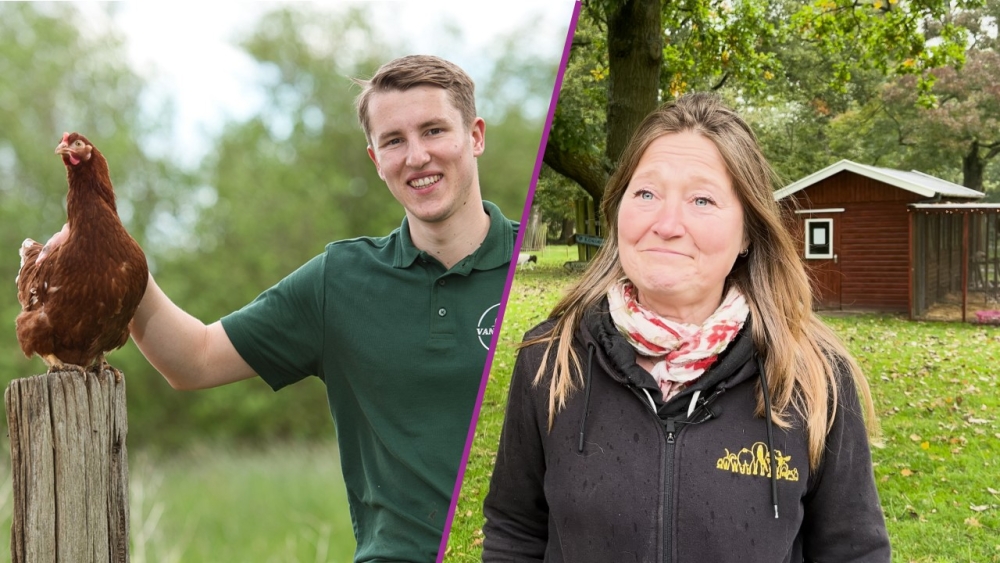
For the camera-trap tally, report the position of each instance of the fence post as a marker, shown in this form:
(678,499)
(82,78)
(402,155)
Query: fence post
(589,229)
(69,468)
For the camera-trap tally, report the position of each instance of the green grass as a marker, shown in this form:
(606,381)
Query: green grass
(285,503)
(937,392)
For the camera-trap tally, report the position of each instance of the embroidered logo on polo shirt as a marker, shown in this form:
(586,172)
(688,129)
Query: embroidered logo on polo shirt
(756,460)
(487,321)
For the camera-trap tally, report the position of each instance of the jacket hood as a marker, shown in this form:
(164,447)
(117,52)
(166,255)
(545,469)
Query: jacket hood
(733,366)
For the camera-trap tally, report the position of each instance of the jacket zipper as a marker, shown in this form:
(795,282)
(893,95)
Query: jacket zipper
(670,433)
(667,464)
(668,488)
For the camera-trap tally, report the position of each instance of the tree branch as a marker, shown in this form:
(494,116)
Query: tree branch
(721,82)
(900,137)
(585,169)
(994,150)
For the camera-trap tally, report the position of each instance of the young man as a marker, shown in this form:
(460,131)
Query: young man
(392,324)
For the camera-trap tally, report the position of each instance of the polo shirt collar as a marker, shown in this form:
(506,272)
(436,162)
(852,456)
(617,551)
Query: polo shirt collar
(495,251)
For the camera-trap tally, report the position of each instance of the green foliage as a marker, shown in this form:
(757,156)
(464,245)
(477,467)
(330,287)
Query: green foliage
(880,121)
(514,101)
(708,43)
(885,35)
(578,124)
(555,195)
(956,138)
(791,66)
(295,177)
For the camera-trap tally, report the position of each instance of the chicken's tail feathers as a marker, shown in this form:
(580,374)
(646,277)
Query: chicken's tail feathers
(29,254)
(26,247)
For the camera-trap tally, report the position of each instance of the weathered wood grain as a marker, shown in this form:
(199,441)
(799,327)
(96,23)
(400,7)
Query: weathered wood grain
(69,468)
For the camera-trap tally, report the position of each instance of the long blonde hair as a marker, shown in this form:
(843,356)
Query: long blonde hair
(798,349)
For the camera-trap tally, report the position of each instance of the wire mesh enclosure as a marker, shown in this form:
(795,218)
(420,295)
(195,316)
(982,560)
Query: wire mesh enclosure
(956,262)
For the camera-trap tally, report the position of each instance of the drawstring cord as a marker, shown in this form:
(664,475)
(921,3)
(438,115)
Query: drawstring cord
(649,398)
(586,396)
(770,439)
(693,403)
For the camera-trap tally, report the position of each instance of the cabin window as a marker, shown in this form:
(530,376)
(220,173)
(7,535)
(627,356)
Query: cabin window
(819,238)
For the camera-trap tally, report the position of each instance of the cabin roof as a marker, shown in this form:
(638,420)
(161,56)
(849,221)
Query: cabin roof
(912,181)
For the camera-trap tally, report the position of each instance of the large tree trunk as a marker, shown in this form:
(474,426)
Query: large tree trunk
(535,231)
(69,468)
(567,230)
(972,168)
(974,163)
(635,53)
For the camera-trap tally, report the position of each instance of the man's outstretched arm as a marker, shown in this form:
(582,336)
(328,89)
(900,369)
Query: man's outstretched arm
(189,354)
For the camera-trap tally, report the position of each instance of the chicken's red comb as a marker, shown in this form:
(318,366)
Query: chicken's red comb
(65,138)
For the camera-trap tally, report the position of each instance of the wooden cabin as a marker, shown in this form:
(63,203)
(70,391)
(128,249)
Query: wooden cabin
(855,229)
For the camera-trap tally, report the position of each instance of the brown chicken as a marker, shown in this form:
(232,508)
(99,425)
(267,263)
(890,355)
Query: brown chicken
(80,291)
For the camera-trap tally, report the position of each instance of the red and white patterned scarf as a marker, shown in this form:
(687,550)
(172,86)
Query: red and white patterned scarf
(681,352)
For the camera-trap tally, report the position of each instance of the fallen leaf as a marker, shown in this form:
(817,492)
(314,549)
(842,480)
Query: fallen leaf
(980,508)
(915,437)
(992,491)
(906,472)
(972,522)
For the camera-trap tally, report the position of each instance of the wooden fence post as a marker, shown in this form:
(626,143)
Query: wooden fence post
(69,468)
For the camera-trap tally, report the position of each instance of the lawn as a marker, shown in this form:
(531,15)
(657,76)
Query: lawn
(937,393)
(279,504)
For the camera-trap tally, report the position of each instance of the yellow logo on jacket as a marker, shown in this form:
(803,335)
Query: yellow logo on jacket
(756,460)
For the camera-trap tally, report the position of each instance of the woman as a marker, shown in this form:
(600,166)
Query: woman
(637,427)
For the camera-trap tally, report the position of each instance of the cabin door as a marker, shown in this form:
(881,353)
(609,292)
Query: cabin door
(822,244)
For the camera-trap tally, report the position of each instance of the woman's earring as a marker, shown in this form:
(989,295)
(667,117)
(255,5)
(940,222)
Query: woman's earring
(744,252)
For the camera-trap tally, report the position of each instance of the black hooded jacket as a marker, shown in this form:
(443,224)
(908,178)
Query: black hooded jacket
(614,481)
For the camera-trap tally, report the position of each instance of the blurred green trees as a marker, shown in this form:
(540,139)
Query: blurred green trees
(273,191)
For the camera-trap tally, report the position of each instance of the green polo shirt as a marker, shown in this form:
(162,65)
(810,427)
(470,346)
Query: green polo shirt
(400,343)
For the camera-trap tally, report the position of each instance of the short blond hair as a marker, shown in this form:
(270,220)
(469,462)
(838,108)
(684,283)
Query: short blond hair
(418,70)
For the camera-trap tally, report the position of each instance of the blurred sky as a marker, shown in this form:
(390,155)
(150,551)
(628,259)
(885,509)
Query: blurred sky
(187,50)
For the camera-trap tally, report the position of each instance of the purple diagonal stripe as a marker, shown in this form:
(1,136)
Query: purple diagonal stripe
(525,214)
